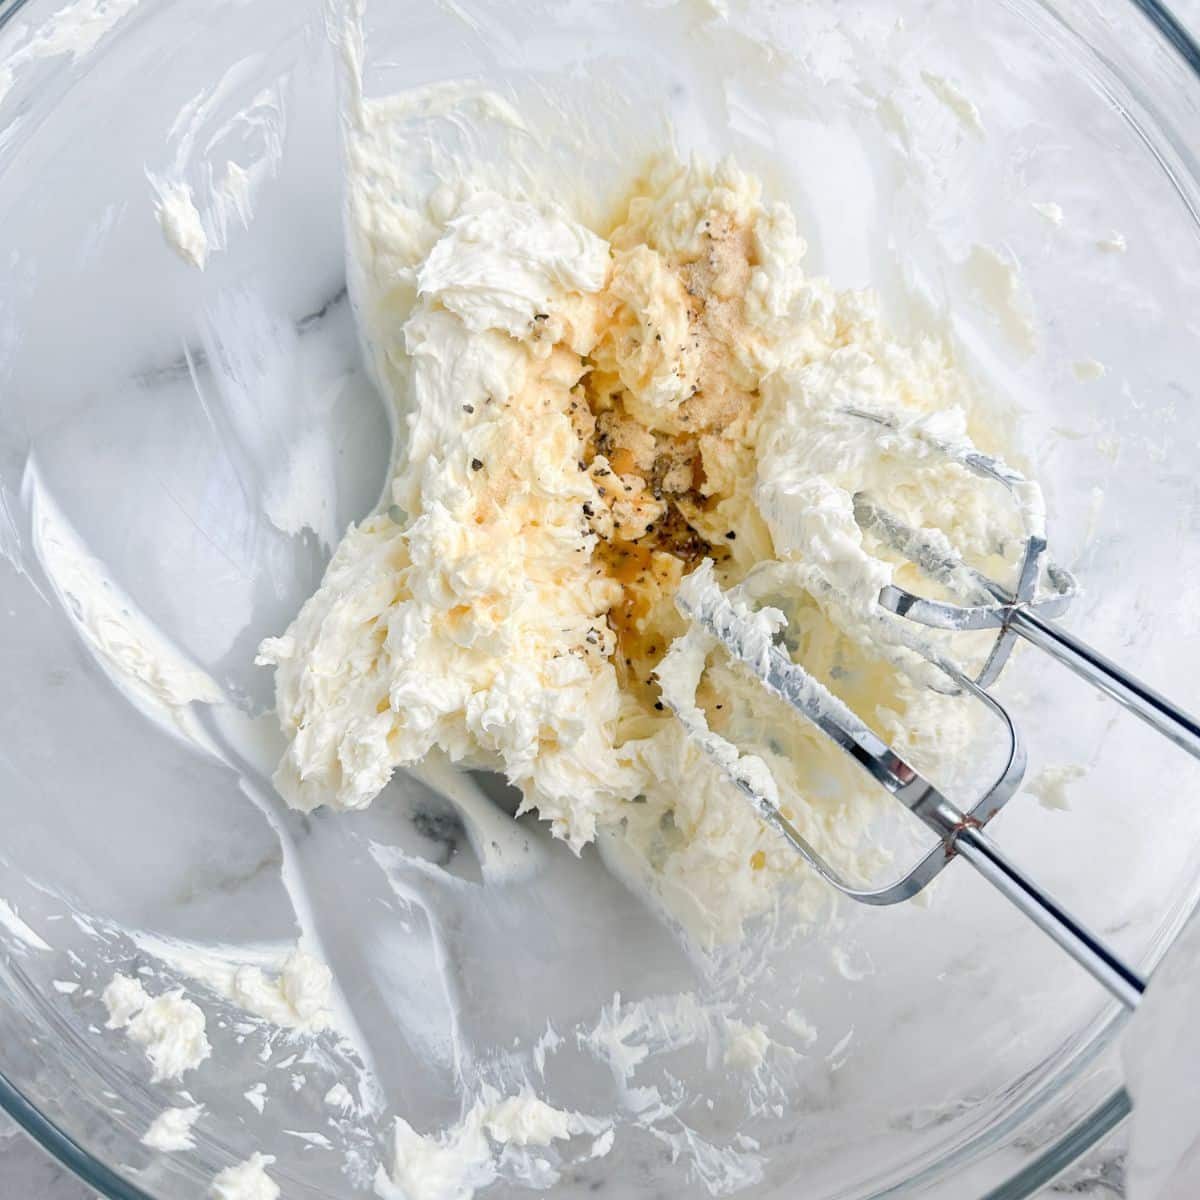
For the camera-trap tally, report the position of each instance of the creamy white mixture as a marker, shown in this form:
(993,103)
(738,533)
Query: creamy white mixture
(583,419)
(171,1130)
(169,1027)
(297,997)
(246,1181)
(459,1160)
(181,224)
(1051,786)
(292,990)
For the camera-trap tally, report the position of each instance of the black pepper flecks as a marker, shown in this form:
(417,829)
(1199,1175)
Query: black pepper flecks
(732,536)
(468,408)
(476,464)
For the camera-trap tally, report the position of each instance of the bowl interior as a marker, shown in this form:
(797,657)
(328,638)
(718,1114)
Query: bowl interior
(179,449)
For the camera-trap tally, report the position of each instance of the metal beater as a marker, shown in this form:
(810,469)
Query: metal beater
(1043,591)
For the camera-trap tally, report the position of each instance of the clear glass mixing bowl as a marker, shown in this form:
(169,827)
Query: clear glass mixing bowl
(958,1054)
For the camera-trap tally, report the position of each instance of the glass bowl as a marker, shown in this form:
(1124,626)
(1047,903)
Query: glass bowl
(1021,176)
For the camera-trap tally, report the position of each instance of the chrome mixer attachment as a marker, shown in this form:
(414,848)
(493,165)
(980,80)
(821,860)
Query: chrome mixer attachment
(1023,612)
(1042,591)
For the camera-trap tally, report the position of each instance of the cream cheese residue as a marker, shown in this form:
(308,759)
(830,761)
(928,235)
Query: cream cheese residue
(455,1163)
(246,1181)
(1088,370)
(291,989)
(747,1046)
(169,1028)
(956,101)
(996,280)
(182,228)
(297,997)
(1051,786)
(171,1130)
(197,203)
(802,1027)
(74,30)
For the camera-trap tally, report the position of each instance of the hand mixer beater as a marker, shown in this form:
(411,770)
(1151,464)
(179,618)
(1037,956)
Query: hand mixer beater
(971,602)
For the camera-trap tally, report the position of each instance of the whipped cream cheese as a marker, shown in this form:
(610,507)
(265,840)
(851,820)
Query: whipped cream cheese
(246,1181)
(476,622)
(291,989)
(298,997)
(169,1027)
(1052,785)
(171,1130)
(181,225)
(453,1164)
(583,421)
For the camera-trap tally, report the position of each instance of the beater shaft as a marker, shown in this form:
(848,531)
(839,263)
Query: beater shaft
(1048,915)
(1156,710)
(961,834)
